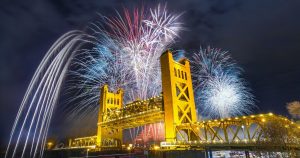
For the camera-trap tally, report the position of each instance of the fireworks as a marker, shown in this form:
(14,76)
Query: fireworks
(126,55)
(219,89)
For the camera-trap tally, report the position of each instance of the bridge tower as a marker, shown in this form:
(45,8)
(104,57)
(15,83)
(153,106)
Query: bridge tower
(109,104)
(178,96)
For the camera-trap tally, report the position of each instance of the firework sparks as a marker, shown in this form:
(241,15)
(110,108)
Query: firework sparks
(219,89)
(126,55)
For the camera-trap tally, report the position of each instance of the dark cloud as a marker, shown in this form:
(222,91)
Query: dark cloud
(263,37)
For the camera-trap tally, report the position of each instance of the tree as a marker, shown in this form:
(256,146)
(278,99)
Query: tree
(294,109)
(280,135)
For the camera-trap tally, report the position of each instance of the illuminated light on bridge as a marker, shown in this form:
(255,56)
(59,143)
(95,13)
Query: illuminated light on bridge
(175,111)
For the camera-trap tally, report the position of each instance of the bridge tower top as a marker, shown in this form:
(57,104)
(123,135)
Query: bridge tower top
(178,95)
(109,101)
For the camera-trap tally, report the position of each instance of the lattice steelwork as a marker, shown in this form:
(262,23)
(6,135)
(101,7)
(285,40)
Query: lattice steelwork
(232,130)
(175,107)
(233,133)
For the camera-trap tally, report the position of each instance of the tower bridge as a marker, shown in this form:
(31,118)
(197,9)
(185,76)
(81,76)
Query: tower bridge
(175,107)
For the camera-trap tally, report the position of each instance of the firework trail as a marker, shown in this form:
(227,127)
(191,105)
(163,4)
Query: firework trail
(126,55)
(145,135)
(29,132)
(220,91)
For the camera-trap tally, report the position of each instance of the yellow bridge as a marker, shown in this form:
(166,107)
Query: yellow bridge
(175,107)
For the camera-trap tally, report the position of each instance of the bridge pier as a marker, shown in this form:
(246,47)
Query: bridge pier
(247,154)
(208,153)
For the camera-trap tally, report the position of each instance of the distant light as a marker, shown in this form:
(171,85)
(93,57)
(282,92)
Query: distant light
(156,147)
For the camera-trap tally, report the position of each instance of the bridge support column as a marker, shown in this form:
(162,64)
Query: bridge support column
(178,95)
(247,154)
(109,102)
(208,153)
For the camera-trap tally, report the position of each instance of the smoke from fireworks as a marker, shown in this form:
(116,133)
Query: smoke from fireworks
(219,89)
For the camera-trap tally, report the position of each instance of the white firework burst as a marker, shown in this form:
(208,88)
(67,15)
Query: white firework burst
(219,89)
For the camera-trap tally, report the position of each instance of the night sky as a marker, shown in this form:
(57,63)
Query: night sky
(263,36)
